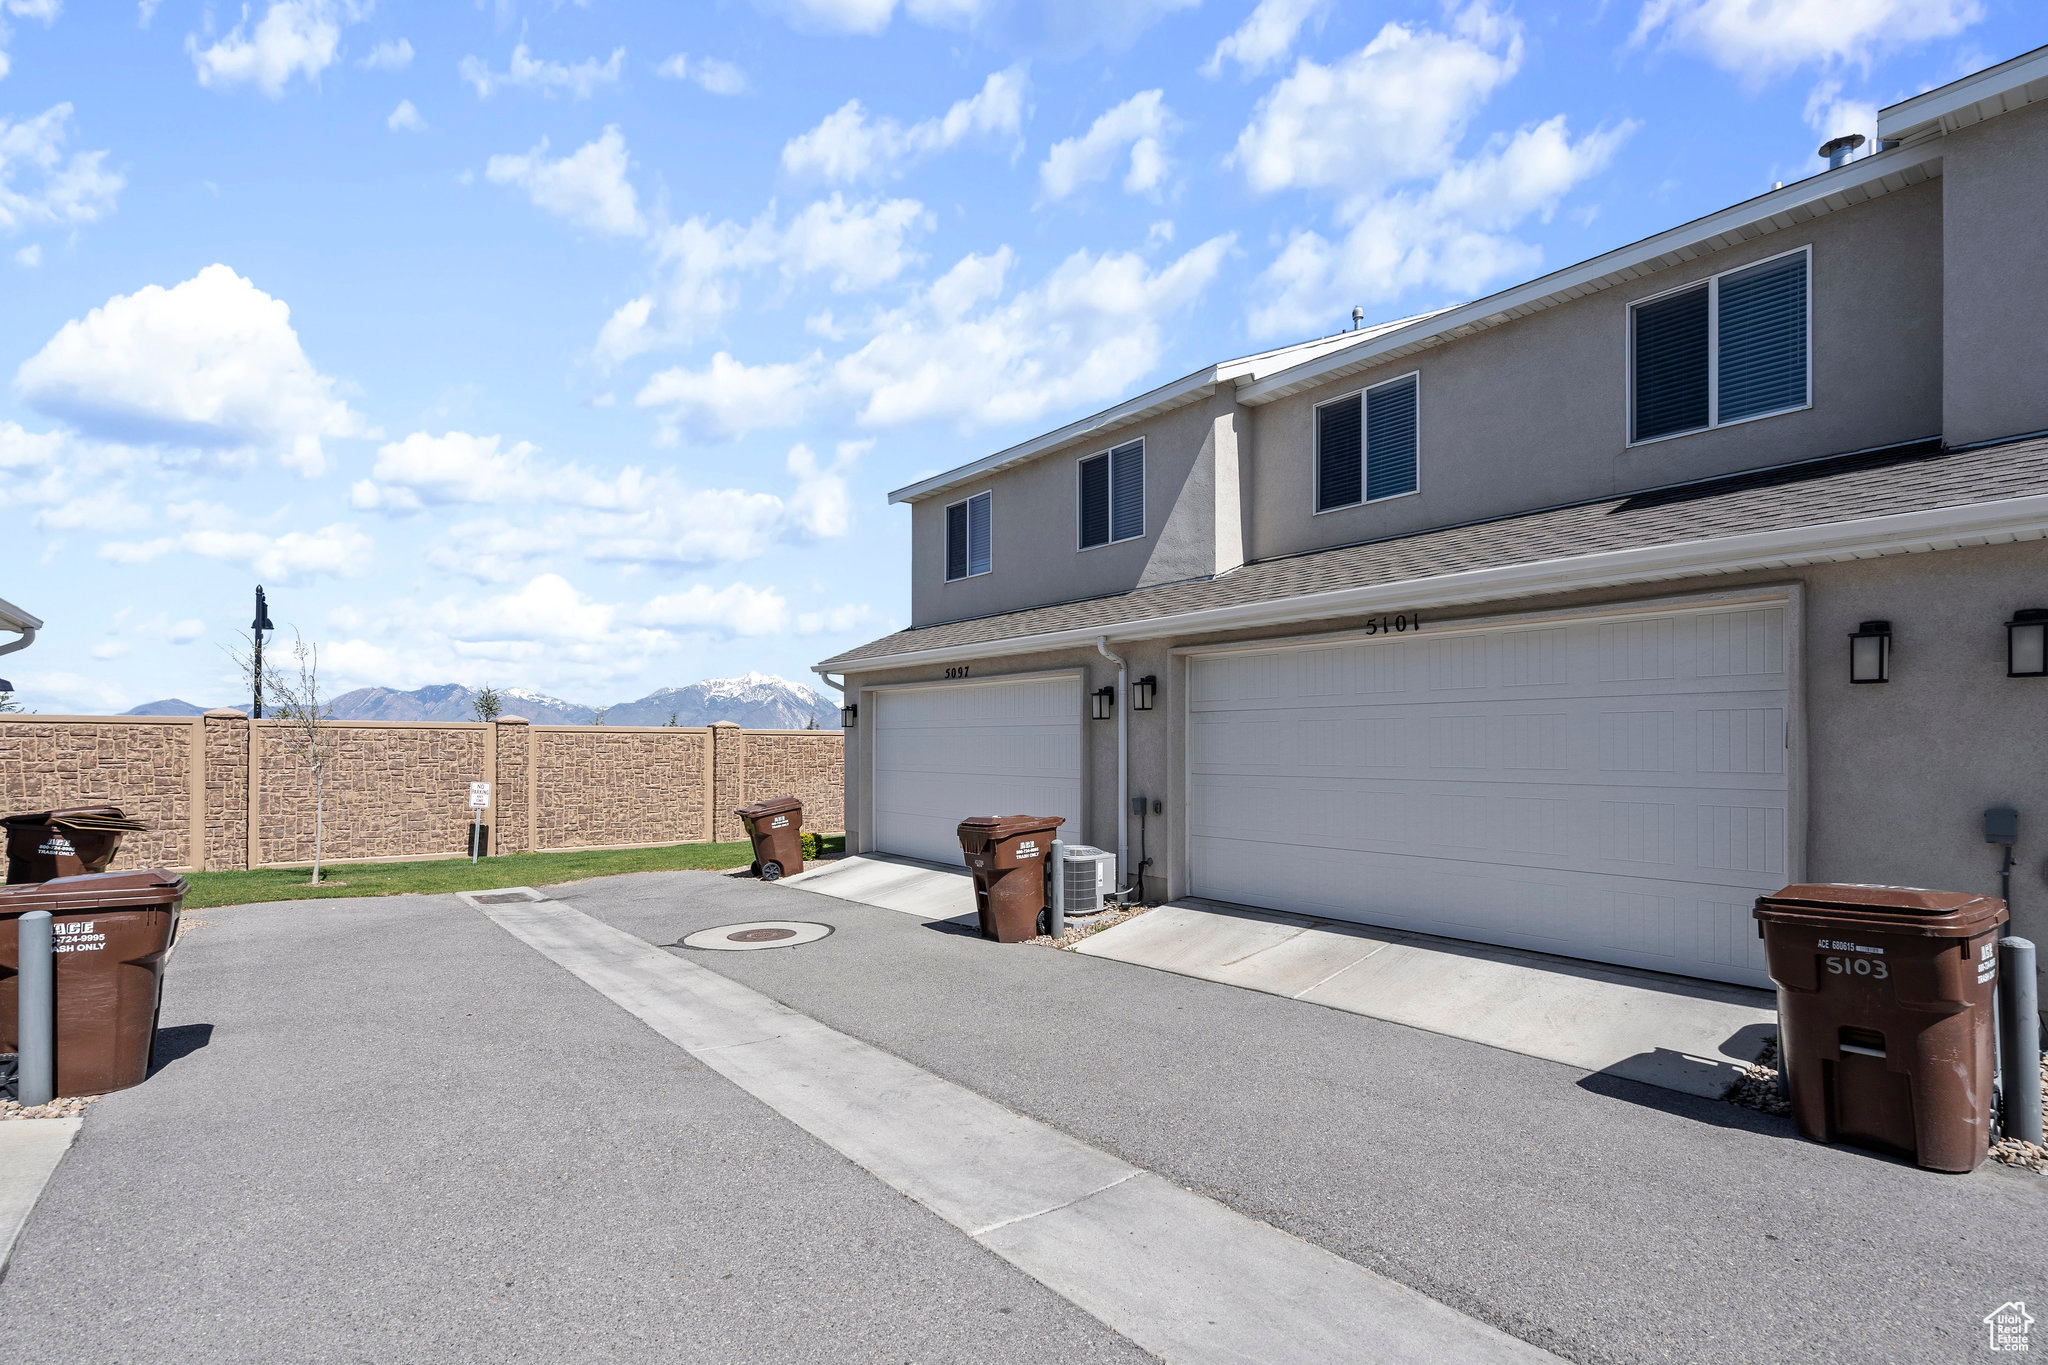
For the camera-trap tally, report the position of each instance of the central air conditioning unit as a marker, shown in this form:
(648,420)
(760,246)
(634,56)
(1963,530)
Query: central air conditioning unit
(1087,880)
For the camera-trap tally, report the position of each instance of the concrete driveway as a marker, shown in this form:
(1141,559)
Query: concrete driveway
(397,1132)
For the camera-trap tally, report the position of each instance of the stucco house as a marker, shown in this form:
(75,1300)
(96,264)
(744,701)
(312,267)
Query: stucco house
(1569,619)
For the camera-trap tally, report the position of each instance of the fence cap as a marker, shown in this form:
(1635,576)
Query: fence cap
(729,724)
(226,713)
(512,720)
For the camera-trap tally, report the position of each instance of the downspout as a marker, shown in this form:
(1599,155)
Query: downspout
(28,637)
(1123,763)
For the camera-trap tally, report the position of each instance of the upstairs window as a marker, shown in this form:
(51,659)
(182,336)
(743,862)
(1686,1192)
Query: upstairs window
(967,538)
(1726,350)
(1113,495)
(1366,445)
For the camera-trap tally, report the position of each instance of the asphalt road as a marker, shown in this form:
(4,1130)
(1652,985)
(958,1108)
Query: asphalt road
(386,1130)
(1601,1219)
(401,1135)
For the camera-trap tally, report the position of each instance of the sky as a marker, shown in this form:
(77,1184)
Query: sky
(575,346)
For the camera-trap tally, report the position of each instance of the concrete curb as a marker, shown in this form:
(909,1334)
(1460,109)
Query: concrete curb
(30,1150)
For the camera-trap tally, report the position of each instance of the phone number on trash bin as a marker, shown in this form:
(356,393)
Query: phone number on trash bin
(78,938)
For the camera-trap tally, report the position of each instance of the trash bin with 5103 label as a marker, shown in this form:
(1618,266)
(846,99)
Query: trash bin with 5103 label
(1884,1016)
(777,828)
(1006,854)
(113,933)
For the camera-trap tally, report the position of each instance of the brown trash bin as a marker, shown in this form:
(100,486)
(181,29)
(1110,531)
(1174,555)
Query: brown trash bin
(1884,1015)
(1007,855)
(776,827)
(64,843)
(113,932)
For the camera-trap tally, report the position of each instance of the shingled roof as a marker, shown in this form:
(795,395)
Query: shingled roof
(1898,481)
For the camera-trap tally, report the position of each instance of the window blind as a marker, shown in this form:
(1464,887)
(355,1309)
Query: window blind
(977,534)
(1127,491)
(1763,339)
(1340,470)
(1671,365)
(1390,439)
(956,541)
(1094,501)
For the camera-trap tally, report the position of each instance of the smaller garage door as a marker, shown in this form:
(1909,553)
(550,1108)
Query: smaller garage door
(947,752)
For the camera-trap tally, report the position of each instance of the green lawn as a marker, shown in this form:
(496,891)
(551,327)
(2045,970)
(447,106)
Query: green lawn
(457,874)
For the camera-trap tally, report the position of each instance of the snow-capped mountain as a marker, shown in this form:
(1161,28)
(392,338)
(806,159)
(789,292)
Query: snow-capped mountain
(759,701)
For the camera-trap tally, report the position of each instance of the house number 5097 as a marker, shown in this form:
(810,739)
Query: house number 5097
(959,672)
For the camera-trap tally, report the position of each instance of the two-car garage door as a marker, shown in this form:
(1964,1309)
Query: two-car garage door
(947,752)
(1610,788)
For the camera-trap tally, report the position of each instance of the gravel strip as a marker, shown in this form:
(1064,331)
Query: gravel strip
(63,1107)
(1095,925)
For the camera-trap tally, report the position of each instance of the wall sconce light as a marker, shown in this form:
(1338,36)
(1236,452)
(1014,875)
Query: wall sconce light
(2026,644)
(1147,688)
(1870,653)
(848,715)
(1103,702)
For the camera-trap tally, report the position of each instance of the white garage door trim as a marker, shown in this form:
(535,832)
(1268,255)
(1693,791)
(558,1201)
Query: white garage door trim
(915,801)
(1707,937)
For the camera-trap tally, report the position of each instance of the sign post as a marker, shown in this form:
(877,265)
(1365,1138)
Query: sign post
(479,801)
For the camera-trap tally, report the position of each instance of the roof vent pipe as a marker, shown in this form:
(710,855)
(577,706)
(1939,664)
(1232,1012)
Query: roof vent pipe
(1837,149)
(1357,318)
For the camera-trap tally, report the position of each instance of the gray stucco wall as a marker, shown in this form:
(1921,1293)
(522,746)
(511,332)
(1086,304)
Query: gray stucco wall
(1035,529)
(1534,413)
(1995,189)
(1898,775)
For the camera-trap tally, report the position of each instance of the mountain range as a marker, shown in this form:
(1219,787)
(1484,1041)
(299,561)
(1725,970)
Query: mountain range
(759,701)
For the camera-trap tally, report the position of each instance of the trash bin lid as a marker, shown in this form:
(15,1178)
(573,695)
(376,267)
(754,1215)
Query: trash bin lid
(79,817)
(1908,909)
(95,891)
(1003,826)
(774,805)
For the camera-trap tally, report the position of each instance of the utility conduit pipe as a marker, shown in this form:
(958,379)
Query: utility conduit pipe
(36,1005)
(1123,765)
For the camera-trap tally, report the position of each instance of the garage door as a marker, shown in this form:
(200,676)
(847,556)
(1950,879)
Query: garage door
(1610,789)
(945,753)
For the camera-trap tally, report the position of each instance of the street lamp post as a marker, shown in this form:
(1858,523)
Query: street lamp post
(256,629)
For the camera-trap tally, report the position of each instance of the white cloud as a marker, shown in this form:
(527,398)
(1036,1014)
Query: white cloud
(872,16)
(822,507)
(406,119)
(1266,35)
(337,550)
(1393,110)
(736,609)
(45,10)
(211,364)
(848,145)
(293,38)
(1379,132)
(958,350)
(1142,123)
(186,631)
(389,55)
(1063,27)
(145,10)
(1759,38)
(728,398)
(588,187)
(1454,236)
(1830,115)
(580,80)
(860,245)
(711,74)
(30,256)
(835,620)
(39,185)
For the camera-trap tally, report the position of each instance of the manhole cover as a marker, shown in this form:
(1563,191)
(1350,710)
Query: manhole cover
(774,933)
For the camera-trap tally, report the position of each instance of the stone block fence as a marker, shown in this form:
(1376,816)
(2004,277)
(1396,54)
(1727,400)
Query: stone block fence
(220,791)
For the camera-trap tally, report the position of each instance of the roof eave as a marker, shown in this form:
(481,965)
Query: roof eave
(1941,528)
(15,619)
(2012,84)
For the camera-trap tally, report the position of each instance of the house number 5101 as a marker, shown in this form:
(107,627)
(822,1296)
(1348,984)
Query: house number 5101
(959,672)
(1394,625)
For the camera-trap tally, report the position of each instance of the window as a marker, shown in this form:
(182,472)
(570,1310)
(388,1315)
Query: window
(1366,445)
(1725,350)
(967,538)
(1113,495)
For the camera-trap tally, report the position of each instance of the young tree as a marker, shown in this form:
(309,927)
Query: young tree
(304,722)
(8,705)
(671,723)
(812,723)
(598,719)
(488,704)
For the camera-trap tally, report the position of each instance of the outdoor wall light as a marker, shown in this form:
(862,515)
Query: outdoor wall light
(1147,689)
(2026,644)
(848,714)
(1870,653)
(1103,702)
